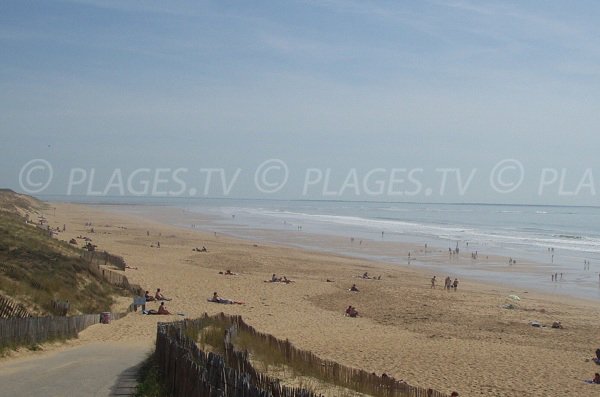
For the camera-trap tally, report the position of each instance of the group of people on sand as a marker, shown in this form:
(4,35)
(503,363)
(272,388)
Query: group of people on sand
(203,249)
(596,378)
(449,284)
(158,297)
(351,310)
(282,279)
(367,277)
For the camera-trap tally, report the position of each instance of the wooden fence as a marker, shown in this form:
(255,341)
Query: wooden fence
(104,258)
(60,308)
(10,308)
(33,330)
(189,372)
(96,259)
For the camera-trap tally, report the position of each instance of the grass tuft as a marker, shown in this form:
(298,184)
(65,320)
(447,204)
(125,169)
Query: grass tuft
(149,380)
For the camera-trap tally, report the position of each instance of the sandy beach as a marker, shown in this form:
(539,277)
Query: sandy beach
(449,340)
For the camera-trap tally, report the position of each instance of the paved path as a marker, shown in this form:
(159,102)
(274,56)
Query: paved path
(96,369)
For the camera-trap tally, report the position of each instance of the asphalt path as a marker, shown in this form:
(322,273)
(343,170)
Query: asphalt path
(95,369)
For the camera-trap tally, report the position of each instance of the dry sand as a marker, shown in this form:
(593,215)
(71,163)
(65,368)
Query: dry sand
(448,340)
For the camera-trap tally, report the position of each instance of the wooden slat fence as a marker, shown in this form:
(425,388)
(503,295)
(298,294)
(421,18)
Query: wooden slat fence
(96,259)
(33,330)
(10,308)
(188,371)
(60,308)
(104,258)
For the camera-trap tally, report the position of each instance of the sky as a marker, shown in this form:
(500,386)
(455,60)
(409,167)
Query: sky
(433,100)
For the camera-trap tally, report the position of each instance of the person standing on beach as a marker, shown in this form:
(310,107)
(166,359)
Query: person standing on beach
(455,284)
(433,282)
(447,283)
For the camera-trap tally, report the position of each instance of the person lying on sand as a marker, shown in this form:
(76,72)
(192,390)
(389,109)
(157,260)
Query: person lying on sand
(284,279)
(149,298)
(217,299)
(160,297)
(366,275)
(353,288)
(351,312)
(162,309)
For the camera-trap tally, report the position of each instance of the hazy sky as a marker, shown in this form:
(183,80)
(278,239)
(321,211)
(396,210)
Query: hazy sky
(447,88)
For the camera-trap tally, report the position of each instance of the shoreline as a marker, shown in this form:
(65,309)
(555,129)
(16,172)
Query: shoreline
(491,269)
(448,340)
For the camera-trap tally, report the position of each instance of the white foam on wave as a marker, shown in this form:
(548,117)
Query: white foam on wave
(485,235)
